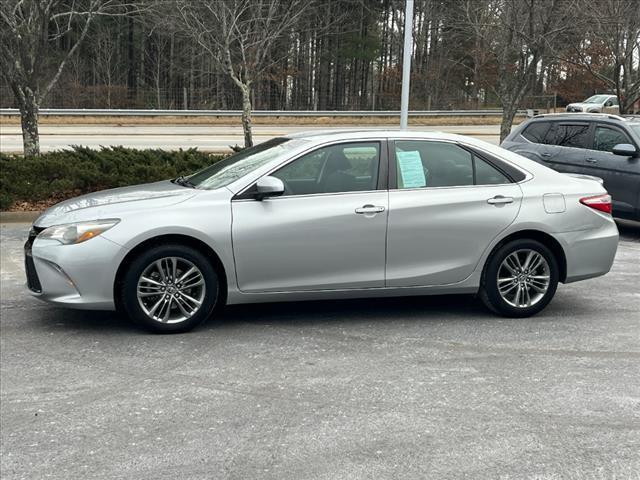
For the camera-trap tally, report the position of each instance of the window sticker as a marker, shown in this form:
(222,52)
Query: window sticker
(411,170)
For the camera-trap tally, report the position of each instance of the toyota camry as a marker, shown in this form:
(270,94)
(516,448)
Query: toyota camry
(327,215)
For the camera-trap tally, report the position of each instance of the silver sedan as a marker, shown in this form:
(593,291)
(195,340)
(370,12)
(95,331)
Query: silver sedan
(323,216)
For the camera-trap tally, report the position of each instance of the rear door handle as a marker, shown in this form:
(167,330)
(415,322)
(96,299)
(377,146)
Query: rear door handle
(499,200)
(369,209)
(545,155)
(592,160)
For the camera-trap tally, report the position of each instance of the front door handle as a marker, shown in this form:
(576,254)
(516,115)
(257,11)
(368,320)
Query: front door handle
(545,155)
(500,200)
(592,160)
(369,209)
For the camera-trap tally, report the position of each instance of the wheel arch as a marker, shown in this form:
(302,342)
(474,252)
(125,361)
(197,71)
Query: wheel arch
(542,237)
(180,239)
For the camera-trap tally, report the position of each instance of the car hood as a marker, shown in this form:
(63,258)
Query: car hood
(109,203)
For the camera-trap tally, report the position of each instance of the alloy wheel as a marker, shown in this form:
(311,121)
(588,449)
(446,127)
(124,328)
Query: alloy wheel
(171,290)
(523,278)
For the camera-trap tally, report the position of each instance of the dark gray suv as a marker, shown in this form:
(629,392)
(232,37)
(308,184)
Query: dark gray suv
(601,145)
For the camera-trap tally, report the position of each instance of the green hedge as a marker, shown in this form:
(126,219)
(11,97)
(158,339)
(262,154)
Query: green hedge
(58,175)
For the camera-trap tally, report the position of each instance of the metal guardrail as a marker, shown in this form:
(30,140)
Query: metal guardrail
(262,113)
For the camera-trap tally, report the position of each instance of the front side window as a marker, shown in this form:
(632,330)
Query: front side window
(345,167)
(568,135)
(606,138)
(421,164)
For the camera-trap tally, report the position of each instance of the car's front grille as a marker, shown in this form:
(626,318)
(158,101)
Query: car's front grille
(33,282)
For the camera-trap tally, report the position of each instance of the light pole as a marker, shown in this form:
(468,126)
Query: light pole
(406,63)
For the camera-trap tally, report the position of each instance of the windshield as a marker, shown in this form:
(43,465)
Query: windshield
(236,166)
(596,99)
(635,127)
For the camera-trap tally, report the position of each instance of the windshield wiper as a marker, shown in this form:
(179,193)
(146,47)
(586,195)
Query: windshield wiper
(184,182)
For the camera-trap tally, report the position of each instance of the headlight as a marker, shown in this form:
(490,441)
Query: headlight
(72,233)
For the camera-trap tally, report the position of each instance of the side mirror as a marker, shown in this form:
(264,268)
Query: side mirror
(268,187)
(625,149)
(608,104)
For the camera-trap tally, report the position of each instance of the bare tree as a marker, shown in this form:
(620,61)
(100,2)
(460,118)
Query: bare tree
(241,36)
(29,30)
(613,27)
(105,56)
(517,33)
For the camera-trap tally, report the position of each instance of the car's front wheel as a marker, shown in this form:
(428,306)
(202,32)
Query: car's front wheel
(170,289)
(520,278)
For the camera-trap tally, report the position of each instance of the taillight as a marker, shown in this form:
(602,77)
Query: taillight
(599,202)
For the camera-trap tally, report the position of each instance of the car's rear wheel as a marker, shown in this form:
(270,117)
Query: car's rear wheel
(170,289)
(520,278)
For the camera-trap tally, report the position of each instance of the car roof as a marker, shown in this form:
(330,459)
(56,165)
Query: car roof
(580,116)
(622,121)
(320,136)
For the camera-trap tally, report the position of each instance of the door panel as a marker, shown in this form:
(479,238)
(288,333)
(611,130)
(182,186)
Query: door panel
(621,174)
(437,236)
(313,242)
(442,219)
(567,159)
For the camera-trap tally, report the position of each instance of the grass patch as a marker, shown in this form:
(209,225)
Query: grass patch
(36,183)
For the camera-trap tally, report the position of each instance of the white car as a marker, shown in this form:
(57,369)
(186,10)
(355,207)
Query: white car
(339,214)
(596,104)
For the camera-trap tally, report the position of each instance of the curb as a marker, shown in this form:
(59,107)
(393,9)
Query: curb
(19,217)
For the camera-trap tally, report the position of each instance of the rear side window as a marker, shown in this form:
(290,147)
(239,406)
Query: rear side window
(421,164)
(488,175)
(568,135)
(536,131)
(432,164)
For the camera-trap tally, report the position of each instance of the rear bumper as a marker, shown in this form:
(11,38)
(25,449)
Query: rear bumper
(589,253)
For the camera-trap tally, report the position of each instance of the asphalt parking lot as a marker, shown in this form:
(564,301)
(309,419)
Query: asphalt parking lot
(430,387)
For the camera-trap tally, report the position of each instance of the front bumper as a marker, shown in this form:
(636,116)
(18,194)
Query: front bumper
(78,276)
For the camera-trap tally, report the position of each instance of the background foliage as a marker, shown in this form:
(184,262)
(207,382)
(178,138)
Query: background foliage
(344,54)
(52,177)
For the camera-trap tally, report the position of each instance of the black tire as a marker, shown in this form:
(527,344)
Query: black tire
(489,293)
(129,286)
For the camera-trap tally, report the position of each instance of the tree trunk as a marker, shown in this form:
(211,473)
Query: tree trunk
(509,111)
(246,115)
(131,63)
(29,118)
